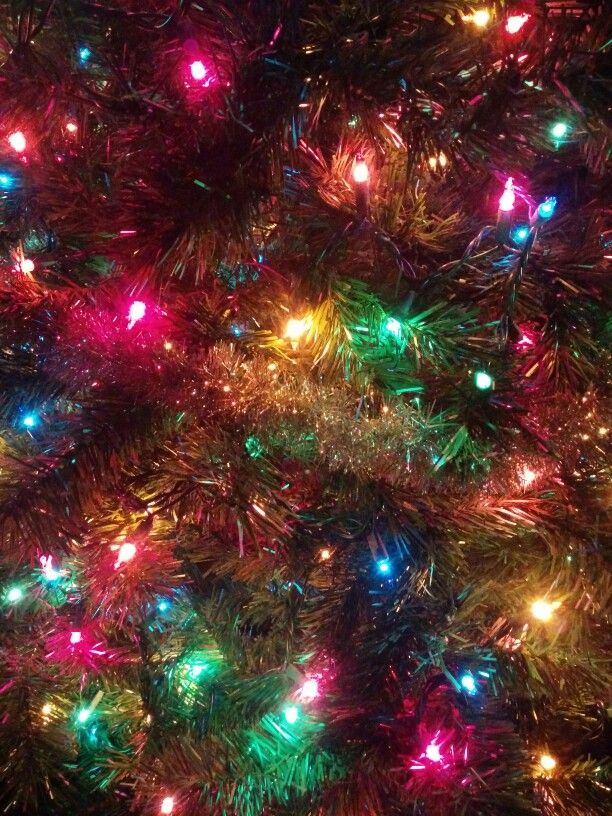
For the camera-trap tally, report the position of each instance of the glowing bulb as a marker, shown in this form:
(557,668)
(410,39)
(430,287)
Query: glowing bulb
(310,689)
(83,715)
(361,173)
(520,234)
(394,327)
(17,141)
(163,606)
(292,714)
(46,709)
(48,570)
(515,22)
(559,130)
(75,637)
(547,208)
(168,345)
(196,671)
(84,53)
(125,553)
(29,421)
(136,313)
(167,805)
(548,762)
(27,266)
(432,752)
(198,70)
(481,17)
(14,594)
(506,202)
(527,476)
(296,328)
(468,683)
(433,162)
(384,567)
(543,610)
(325,554)
(483,381)
(72,127)
(7,181)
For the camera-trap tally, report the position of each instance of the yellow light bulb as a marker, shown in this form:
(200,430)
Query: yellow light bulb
(548,762)
(432,161)
(296,328)
(543,610)
(46,709)
(325,554)
(443,160)
(361,173)
(481,17)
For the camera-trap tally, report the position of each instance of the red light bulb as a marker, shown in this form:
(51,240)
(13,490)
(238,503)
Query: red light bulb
(198,70)
(506,202)
(515,22)
(17,141)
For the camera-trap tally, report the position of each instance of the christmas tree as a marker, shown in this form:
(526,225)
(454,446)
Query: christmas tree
(303,428)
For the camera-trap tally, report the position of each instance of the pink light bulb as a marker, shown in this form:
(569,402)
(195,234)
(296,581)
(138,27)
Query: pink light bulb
(17,141)
(167,805)
(136,313)
(361,173)
(432,752)
(198,70)
(310,689)
(515,22)
(126,552)
(506,202)
(75,637)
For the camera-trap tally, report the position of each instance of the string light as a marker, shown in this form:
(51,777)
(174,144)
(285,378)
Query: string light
(543,610)
(291,714)
(468,683)
(17,141)
(515,22)
(136,313)
(548,762)
(508,197)
(520,234)
(504,212)
(559,130)
(483,381)
(14,595)
(547,208)
(167,805)
(125,553)
(296,328)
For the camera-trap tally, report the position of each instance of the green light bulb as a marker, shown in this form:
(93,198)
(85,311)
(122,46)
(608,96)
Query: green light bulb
(291,714)
(559,130)
(394,327)
(483,381)
(14,594)
(83,715)
(196,671)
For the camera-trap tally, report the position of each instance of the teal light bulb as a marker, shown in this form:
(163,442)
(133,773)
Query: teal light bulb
(483,381)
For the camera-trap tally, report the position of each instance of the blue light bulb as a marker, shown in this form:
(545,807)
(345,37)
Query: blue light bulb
(547,208)
(7,182)
(84,53)
(163,606)
(384,567)
(468,683)
(519,235)
(29,421)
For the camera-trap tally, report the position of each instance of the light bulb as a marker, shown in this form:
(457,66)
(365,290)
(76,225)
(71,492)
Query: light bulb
(14,594)
(361,173)
(515,22)
(167,805)
(46,709)
(27,266)
(543,610)
(432,752)
(483,381)
(196,671)
(83,715)
(481,17)
(508,197)
(136,313)
(547,208)
(198,70)
(72,127)
(17,141)
(559,130)
(519,235)
(527,476)
(468,683)
(75,637)
(325,554)
(7,182)
(548,762)
(310,689)
(394,327)
(29,421)
(296,328)
(384,567)
(291,714)
(47,568)
(125,553)
(84,53)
